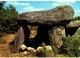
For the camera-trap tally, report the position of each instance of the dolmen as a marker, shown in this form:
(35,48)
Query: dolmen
(50,26)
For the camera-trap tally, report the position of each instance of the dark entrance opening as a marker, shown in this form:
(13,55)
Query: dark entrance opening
(42,36)
(71,31)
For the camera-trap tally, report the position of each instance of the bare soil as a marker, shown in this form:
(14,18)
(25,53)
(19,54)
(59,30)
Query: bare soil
(5,50)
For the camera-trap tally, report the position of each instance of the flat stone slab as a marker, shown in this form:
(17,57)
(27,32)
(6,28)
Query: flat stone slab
(74,23)
(59,13)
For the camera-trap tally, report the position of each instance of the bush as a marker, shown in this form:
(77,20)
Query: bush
(8,18)
(71,46)
(9,26)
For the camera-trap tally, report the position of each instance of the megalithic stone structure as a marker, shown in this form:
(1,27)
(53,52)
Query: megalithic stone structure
(19,39)
(59,16)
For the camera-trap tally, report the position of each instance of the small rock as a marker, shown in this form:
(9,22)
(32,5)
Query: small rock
(25,53)
(29,48)
(35,51)
(41,52)
(21,54)
(48,48)
(45,51)
(39,48)
(23,47)
(32,50)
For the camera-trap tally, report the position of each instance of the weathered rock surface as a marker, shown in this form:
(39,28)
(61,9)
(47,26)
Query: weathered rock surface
(58,32)
(45,51)
(32,50)
(48,47)
(25,53)
(19,39)
(23,47)
(75,23)
(63,12)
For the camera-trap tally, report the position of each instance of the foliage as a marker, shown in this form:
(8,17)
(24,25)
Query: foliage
(10,13)
(1,9)
(2,4)
(8,18)
(71,46)
(76,18)
(43,44)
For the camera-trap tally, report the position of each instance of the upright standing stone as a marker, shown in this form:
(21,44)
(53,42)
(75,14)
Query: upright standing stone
(57,33)
(19,39)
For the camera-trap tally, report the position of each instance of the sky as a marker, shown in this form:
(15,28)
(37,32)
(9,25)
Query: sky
(29,6)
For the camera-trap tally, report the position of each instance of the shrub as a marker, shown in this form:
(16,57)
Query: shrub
(71,46)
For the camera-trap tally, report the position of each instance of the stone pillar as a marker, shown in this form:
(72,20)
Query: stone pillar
(19,39)
(55,36)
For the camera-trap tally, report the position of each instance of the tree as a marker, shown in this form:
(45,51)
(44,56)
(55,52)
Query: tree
(2,4)
(1,9)
(77,18)
(8,18)
(10,13)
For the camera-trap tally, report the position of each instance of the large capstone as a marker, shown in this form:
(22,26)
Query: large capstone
(59,13)
(74,23)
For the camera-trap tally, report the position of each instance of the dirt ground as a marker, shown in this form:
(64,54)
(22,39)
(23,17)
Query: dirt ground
(4,45)
(5,50)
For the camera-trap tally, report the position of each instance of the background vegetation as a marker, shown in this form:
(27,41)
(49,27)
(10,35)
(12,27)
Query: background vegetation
(71,46)
(8,16)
